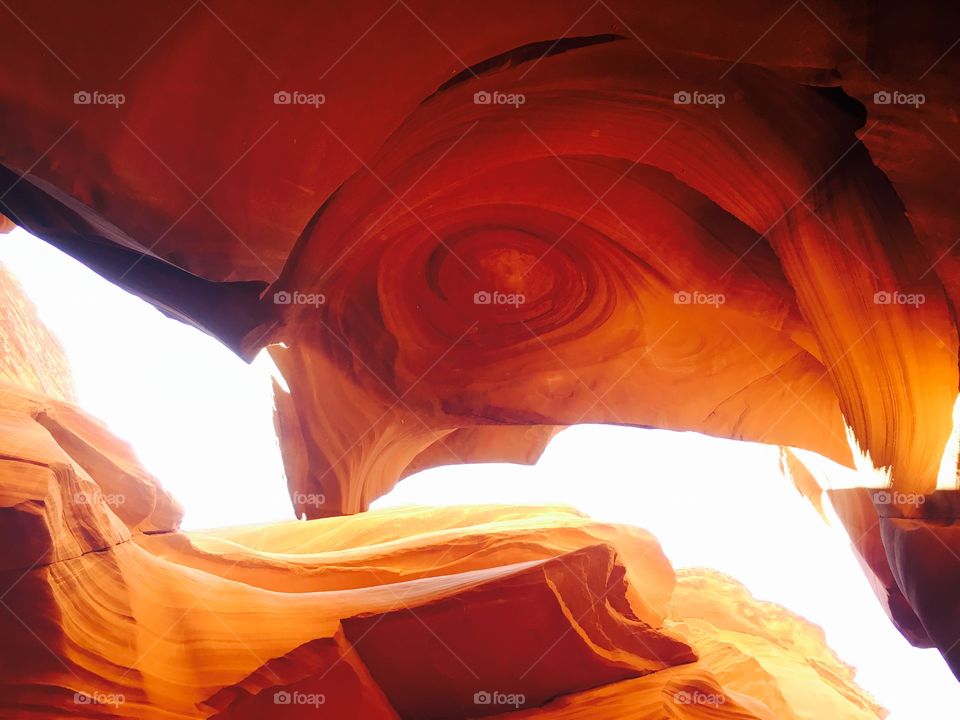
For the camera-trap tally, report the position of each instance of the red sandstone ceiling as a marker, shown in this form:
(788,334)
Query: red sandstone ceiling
(459,227)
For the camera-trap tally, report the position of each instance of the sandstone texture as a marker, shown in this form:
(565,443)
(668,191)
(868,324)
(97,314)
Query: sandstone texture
(30,357)
(458,227)
(108,610)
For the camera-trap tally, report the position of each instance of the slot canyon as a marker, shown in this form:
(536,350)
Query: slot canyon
(457,228)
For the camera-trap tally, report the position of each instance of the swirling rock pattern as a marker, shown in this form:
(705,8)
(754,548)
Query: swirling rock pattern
(107,610)
(457,235)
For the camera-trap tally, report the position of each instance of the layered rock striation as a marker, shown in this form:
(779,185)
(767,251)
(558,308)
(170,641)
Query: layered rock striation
(109,610)
(456,235)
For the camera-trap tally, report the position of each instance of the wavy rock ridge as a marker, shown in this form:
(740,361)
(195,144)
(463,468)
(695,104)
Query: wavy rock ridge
(109,611)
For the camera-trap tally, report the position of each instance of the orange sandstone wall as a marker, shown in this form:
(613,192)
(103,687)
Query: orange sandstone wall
(30,356)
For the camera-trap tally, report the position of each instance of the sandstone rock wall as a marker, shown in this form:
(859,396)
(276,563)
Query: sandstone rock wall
(30,356)
(107,610)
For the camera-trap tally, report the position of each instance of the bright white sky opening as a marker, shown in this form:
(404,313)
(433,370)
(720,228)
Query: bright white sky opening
(201,420)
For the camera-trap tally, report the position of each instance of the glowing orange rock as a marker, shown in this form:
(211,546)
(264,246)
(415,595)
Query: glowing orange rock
(456,235)
(410,613)
(31,357)
(108,610)
(612,194)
